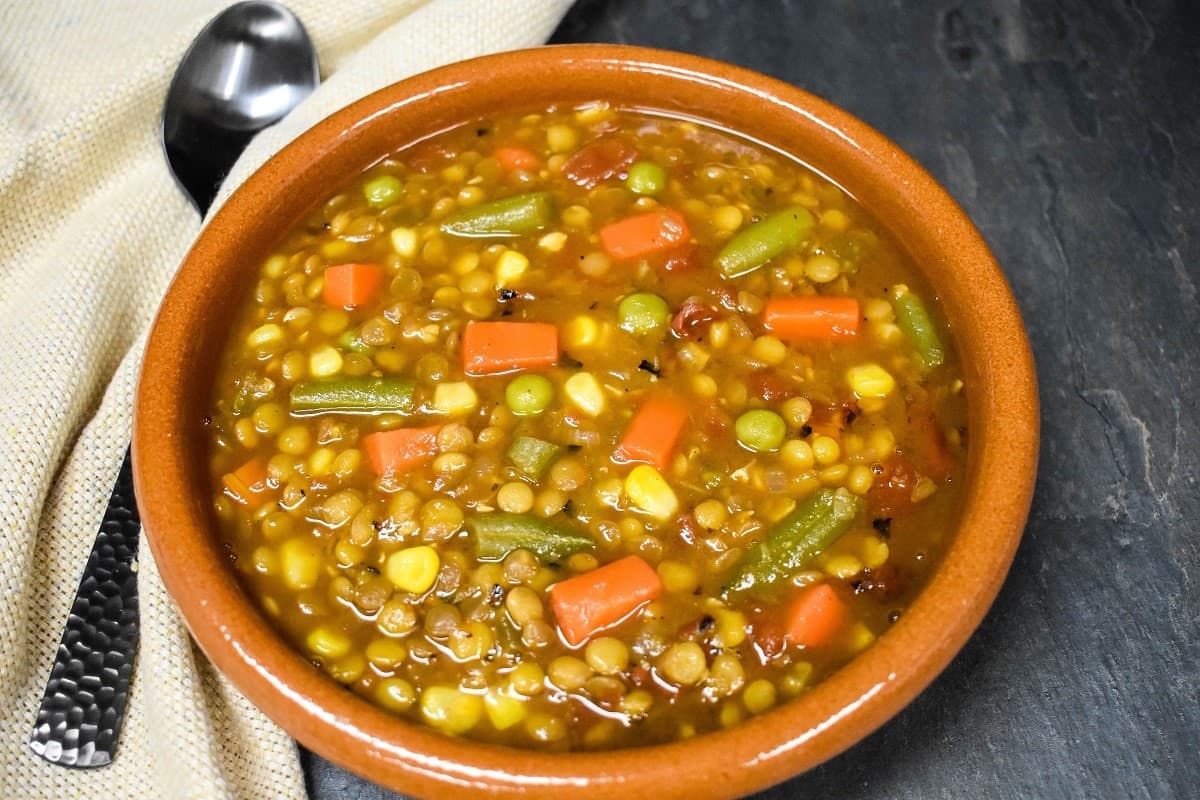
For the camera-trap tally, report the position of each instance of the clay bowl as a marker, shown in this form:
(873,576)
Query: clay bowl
(169,450)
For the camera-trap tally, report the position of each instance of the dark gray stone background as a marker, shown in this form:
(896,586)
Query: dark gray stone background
(1070,132)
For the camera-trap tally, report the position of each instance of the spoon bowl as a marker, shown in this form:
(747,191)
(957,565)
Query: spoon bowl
(247,69)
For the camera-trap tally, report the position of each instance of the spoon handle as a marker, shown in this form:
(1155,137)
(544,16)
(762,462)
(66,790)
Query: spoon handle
(80,717)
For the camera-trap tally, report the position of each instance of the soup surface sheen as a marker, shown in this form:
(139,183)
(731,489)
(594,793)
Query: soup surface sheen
(586,429)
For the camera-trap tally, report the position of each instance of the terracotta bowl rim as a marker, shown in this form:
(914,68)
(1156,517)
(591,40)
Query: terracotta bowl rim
(757,753)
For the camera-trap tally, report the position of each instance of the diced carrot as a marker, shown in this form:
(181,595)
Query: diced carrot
(828,318)
(643,234)
(929,443)
(351,285)
(684,258)
(891,491)
(588,603)
(653,432)
(395,451)
(815,617)
(598,161)
(492,348)
(247,480)
(512,158)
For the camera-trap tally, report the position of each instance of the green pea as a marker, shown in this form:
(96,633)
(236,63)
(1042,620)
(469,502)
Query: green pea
(529,394)
(382,191)
(643,312)
(646,177)
(760,430)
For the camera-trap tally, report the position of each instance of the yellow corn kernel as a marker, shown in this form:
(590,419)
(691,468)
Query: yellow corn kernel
(325,362)
(265,336)
(454,399)
(769,350)
(300,561)
(730,627)
(582,331)
(759,696)
(585,393)
(923,488)
(649,492)
(451,710)
(405,241)
(553,242)
(861,637)
(320,462)
(887,332)
(874,551)
(842,565)
(870,380)
(413,569)
(876,309)
(727,218)
(510,266)
(327,642)
(503,710)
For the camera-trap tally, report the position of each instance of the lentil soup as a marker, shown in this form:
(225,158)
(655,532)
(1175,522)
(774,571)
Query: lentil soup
(586,429)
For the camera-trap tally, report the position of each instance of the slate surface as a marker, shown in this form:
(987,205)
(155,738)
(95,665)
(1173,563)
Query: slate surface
(1070,132)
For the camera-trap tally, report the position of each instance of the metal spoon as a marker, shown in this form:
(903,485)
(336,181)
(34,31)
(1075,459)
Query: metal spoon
(248,68)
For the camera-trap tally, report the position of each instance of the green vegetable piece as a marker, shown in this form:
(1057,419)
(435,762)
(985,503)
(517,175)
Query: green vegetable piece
(914,320)
(643,313)
(528,395)
(498,534)
(507,217)
(533,456)
(760,430)
(358,395)
(646,177)
(382,191)
(757,244)
(795,540)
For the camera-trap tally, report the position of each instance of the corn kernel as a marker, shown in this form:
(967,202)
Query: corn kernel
(327,643)
(413,569)
(876,309)
(455,398)
(325,362)
(553,242)
(769,350)
(649,492)
(874,551)
(887,332)
(405,241)
(677,577)
(265,336)
(503,710)
(923,489)
(451,710)
(585,392)
(582,331)
(510,266)
(759,696)
(730,627)
(870,380)
(842,565)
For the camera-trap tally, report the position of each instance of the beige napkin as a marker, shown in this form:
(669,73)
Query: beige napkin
(91,230)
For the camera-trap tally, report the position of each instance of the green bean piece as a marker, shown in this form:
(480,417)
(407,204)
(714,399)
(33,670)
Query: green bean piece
(533,456)
(914,320)
(757,244)
(646,177)
(527,395)
(795,540)
(643,313)
(359,395)
(382,191)
(760,430)
(509,216)
(498,534)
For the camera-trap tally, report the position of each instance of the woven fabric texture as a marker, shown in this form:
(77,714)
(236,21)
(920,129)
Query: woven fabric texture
(92,227)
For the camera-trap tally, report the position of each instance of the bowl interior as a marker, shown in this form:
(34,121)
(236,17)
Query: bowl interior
(190,333)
